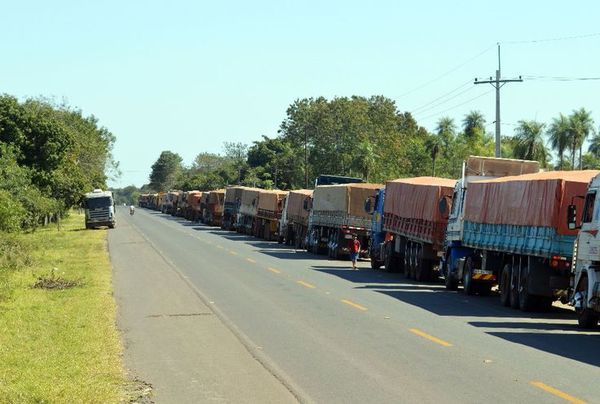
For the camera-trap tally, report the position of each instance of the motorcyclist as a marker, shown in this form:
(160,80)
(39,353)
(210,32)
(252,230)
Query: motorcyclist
(131,209)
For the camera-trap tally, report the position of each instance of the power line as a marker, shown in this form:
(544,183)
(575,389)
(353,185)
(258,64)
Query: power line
(560,78)
(445,74)
(444,101)
(466,83)
(564,38)
(455,106)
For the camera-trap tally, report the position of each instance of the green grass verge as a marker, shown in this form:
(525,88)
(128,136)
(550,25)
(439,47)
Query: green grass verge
(58,345)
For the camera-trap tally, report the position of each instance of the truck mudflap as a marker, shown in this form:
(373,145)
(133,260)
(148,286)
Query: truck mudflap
(482,275)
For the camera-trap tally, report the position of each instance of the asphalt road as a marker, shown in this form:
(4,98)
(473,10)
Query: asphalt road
(332,335)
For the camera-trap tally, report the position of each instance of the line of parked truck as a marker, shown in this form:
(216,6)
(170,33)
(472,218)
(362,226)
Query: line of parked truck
(503,224)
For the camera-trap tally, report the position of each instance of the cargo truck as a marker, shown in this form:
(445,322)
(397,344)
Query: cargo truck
(270,206)
(294,218)
(337,213)
(99,209)
(408,229)
(247,211)
(233,198)
(585,274)
(213,211)
(514,235)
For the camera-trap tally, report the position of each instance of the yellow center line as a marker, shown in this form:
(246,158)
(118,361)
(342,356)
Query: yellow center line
(275,271)
(232,252)
(557,393)
(430,337)
(306,284)
(251,260)
(355,305)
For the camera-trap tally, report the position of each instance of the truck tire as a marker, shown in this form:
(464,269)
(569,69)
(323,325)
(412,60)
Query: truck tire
(586,318)
(526,300)
(407,260)
(450,281)
(468,284)
(514,287)
(388,258)
(505,285)
(374,263)
(423,266)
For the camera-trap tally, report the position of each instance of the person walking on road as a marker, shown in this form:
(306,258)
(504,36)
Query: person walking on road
(354,250)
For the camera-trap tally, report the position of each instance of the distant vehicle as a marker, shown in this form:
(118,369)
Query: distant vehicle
(131,210)
(99,209)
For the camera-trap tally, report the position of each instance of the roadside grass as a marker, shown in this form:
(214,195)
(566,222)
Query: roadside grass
(58,344)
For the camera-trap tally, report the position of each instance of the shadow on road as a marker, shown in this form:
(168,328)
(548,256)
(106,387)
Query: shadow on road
(580,347)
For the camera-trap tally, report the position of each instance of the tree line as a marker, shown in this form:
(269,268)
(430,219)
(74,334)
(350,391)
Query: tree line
(50,154)
(371,138)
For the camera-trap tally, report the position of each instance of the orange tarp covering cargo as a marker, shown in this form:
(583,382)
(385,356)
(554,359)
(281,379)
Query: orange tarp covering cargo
(538,199)
(270,203)
(295,205)
(234,194)
(411,207)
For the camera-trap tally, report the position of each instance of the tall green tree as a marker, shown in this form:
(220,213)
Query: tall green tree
(530,143)
(559,134)
(165,171)
(474,125)
(582,125)
(434,144)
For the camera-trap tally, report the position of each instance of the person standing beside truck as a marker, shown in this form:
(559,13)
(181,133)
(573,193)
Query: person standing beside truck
(354,250)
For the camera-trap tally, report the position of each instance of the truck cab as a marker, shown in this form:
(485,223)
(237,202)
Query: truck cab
(374,206)
(585,291)
(99,209)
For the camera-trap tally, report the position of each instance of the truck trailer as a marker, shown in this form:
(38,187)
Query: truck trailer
(270,206)
(408,229)
(248,210)
(233,198)
(213,211)
(293,224)
(337,214)
(514,235)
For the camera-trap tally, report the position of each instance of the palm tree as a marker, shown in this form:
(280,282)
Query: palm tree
(530,142)
(582,125)
(446,130)
(594,147)
(473,124)
(434,144)
(559,133)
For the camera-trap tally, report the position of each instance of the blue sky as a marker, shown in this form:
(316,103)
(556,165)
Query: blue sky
(186,76)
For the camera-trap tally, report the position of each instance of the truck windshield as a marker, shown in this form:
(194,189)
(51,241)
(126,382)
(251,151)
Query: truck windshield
(102,202)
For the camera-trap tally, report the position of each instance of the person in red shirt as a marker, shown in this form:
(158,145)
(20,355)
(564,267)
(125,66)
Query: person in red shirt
(354,250)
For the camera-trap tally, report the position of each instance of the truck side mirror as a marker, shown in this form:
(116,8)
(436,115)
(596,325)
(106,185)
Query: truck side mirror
(369,205)
(443,207)
(572,217)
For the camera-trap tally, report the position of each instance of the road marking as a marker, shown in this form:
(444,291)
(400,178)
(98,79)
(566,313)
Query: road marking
(429,337)
(232,252)
(305,284)
(251,260)
(355,305)
(557,393)
(275,271)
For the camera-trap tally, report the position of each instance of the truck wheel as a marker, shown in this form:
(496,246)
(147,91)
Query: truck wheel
(586,318)
(450,280)
(111,226)
(423,266)
(525,299)
(468,287)
(388,259)
(514,287)
(505,285)
(374,263)
(407,260)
